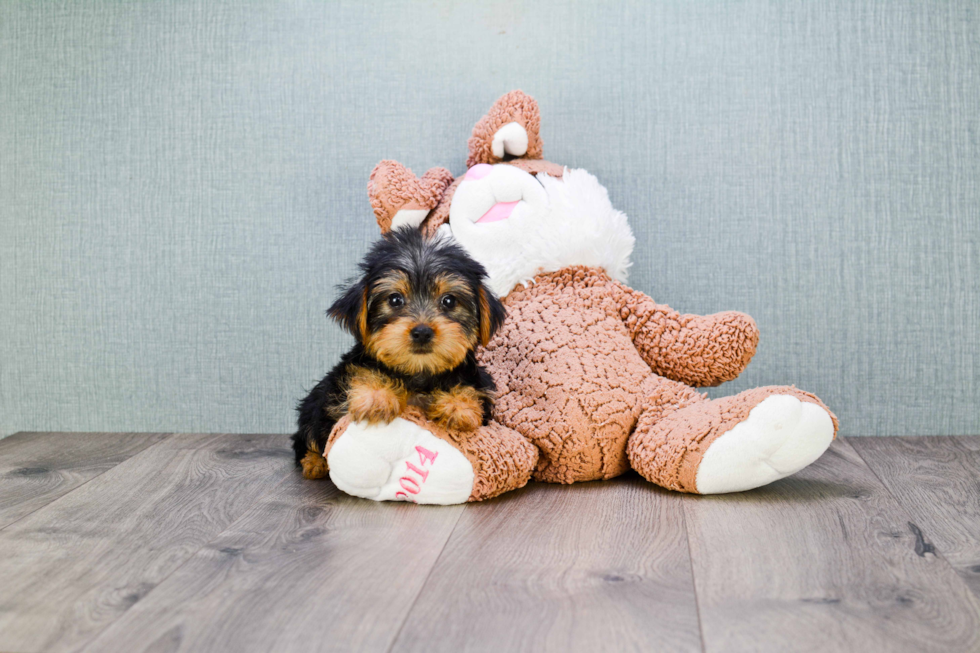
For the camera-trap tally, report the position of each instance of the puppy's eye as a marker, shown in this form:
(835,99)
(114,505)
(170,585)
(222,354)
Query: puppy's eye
(448,302)
(395,300)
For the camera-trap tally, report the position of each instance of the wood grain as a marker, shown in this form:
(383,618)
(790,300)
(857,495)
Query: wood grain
(588,567)
(307,569)
(937,480)
(37,468)
(74,566)
(214,542)
(825,560)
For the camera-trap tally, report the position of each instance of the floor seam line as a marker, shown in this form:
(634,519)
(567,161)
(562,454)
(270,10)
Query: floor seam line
(694,584)
(425,582)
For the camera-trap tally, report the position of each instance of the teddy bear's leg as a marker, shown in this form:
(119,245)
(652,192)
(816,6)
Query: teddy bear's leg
(731,444)
(412,459)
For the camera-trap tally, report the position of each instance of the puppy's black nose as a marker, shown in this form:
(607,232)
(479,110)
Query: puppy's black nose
(421,334)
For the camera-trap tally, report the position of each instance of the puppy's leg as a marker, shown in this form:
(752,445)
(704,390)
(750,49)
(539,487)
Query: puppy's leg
(459,409)
(313,464)
(375,398)
(317,415)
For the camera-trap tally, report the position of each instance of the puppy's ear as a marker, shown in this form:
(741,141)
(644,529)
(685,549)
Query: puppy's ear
(492,315)
(350,311)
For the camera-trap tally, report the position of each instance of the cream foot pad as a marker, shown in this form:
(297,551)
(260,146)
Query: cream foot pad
(399,461)
(781,436)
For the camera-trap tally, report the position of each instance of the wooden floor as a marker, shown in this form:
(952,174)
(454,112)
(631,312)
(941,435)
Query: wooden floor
(157,542)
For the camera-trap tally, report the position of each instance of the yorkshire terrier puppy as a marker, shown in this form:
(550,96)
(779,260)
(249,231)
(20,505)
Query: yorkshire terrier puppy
(417,313)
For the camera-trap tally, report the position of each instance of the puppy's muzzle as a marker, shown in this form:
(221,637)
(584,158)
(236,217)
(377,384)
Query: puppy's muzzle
(421,335)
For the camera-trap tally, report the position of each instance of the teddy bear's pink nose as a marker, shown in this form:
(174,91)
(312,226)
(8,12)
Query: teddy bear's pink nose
(479,171)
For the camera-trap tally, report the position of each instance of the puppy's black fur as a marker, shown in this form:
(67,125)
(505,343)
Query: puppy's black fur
(412,288)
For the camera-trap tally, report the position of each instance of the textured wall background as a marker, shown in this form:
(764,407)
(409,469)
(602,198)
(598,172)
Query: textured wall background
(182,185)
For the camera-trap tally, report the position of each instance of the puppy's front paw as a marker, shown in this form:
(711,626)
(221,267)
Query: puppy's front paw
(460,409)
(374,398)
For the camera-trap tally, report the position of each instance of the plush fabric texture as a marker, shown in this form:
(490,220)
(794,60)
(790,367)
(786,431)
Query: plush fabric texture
(571,378)
(392,188)
(780,436)
(559,222)
(502,459)
(666,449)
(440,215)
(512,107)
(399,461)
(568,375)
(593,377)
(697,350)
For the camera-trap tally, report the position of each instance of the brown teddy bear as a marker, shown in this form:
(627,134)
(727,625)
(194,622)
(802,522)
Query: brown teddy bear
(593,377)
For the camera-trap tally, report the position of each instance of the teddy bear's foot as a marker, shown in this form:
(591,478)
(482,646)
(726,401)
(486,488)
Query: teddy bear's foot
(781,436)
(731,444)
(399,461)
(415,459)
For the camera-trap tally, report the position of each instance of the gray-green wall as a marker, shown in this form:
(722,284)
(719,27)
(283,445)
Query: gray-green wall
(183,184)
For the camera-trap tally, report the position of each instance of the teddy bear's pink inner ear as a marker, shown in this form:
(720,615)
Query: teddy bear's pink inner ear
(509,130)
(399,198)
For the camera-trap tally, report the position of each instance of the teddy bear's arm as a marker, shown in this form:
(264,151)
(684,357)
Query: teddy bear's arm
(699,350)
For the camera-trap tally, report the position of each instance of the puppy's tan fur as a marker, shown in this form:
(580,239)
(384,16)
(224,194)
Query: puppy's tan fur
(391,346)
(314,466)
(458,409)
(375,398)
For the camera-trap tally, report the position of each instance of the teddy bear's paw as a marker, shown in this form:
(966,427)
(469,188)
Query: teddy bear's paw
(399,461)
(781,436)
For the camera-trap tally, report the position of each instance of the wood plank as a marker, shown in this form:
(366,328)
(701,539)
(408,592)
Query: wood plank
(937,480)
(37,468)
(825,560)
(587,567)
(307,569)
(74,566)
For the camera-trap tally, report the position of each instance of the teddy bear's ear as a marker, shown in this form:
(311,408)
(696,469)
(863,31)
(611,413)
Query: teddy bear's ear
(509,130)
(400,198)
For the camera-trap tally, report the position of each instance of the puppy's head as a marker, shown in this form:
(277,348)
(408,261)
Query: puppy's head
(421,304)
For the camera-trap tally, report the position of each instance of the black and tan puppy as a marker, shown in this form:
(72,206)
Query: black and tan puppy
(418,312)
